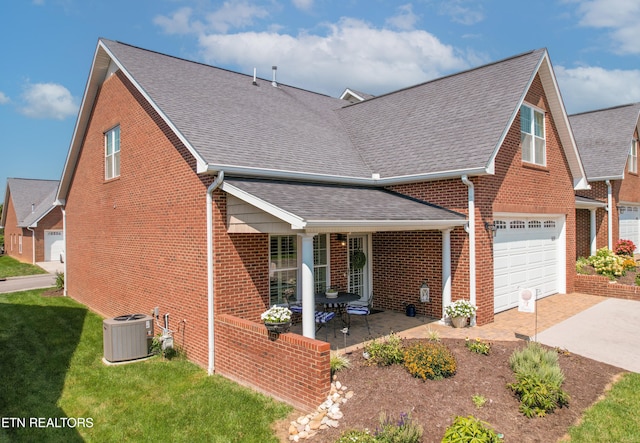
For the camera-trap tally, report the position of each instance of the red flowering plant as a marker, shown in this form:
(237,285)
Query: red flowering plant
(624,247)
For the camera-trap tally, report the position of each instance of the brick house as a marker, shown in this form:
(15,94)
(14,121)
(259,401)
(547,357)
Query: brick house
(608,143)
(33,227)
(213,195)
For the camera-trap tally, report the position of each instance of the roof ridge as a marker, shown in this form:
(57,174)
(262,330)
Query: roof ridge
(610,108)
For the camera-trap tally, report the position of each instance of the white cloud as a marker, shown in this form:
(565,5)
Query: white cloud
(466,12)
(620,16)
(589,88)
(48,100)
(3,98)
(232,14)
(305,5)
(405,19)
(352,54)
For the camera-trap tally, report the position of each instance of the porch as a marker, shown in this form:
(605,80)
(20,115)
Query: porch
(507,325)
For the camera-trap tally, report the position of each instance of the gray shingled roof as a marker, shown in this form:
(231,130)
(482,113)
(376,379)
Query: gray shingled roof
(32,199)
(604,139)
(229,121)
(448,124)
(340,204)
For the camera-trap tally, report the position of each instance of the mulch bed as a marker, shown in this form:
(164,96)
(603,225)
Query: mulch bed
(435,404)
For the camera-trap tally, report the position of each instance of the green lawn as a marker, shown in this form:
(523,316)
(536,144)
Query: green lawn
(10,267)
(51,368)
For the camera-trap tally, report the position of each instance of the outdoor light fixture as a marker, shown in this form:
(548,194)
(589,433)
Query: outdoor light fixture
(490,227)
(342,239)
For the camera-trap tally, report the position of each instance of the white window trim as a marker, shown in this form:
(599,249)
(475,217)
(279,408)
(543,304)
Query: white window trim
(633,157)
(110,159)
(534,137)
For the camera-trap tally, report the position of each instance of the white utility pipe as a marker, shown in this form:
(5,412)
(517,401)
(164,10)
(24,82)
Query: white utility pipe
(609,217)
(471,230)
(64,233)
(215,185)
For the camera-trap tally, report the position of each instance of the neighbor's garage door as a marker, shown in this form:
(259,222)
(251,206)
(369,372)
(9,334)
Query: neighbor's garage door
(630,224)
(53,245)
(528,252)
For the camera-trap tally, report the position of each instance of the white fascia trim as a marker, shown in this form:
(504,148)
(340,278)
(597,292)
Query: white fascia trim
(337,179)
(295,221)
(365,225)
(201,165)
(605,178)
(580,204)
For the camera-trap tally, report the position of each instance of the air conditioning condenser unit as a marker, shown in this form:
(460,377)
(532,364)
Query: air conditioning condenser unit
(127,337)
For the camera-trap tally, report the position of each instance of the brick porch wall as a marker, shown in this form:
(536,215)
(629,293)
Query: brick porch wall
(600,285)
(292,368)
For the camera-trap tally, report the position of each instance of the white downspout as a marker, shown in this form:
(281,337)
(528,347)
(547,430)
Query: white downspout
(471,230)
(33,244)
(215,185)
(609,217)
(64,233)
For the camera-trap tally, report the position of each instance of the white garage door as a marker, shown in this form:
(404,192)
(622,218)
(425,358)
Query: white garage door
(630,224)
(53,245)
(528,252)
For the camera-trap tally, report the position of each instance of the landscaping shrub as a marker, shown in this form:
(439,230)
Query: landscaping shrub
(60,280)
(470,429)
(624,247)
(353,436)
(401,431)
(580,264)
(430,360)
(538,380)
(338,362)
(385,352)
(606,263)
(478,346)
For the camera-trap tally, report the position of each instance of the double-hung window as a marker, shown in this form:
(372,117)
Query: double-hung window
(633,157)
(112,153)
(532,137)
(284,266)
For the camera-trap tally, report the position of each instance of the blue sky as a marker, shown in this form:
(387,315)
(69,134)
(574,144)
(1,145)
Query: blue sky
(373,46)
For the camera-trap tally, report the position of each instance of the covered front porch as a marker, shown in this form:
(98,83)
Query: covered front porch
(315,230)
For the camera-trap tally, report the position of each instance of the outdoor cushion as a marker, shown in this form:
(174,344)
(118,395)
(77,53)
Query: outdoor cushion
(357,310)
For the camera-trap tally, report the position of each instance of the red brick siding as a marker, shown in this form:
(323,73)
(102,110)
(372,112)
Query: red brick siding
(291,368)
(600,285)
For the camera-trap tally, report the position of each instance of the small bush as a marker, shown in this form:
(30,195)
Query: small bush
(430,360)
(539,380)
(479,400)
(478,346)
(467,429)
(624,247)
(628,263)
(60,280)
(580,265)
(401,431)
(355,436)
(338,362)
(607,263)
(385,352)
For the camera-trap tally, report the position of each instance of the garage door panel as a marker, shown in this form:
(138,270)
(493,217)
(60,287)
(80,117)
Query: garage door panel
(525,256)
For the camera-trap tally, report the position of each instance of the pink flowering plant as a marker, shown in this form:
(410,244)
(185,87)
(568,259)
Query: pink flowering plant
(624,247)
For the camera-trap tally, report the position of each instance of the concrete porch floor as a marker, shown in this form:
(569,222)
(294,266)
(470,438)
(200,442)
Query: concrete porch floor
(508,325)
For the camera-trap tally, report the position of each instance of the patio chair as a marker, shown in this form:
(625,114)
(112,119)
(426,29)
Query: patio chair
(322,318)
(356,308)
(295,307)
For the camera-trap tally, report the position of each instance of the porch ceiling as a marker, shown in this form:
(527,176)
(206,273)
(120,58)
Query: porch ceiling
(312,207)
(588,203)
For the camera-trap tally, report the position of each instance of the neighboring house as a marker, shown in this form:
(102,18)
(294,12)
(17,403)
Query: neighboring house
(213,195)
(608,143)
(32,223)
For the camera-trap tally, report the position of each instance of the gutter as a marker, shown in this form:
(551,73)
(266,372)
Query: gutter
(210,287)
(471,230)
(609,216)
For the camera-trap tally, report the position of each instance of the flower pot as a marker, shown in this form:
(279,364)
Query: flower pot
(459,322)
(278,328)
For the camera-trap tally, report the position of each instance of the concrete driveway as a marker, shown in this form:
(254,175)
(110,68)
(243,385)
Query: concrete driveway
(606,332)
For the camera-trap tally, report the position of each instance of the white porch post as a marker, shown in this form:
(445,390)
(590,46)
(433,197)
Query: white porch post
(446,269)
(592,226)
(308,296)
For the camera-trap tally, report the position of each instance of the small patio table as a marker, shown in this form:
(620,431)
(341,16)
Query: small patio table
(339,302)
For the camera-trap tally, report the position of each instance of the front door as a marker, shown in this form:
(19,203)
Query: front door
(359,265)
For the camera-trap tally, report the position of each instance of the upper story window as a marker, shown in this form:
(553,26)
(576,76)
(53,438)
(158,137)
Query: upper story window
(112,153)
(532,136)
(633,157)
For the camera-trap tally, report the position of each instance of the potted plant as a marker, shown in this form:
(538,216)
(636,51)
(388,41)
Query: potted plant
(460,311)
(331,293)
(277,319)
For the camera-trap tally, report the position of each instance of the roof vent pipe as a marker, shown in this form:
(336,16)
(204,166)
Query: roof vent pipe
(275,68)
(255,83)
